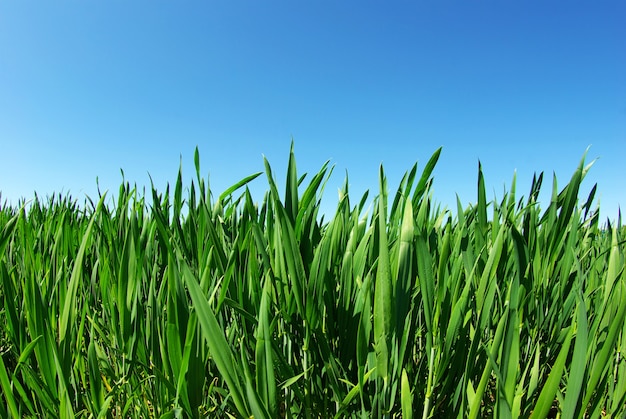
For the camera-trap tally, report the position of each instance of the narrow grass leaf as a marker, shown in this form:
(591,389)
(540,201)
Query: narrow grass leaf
(382,294)
(406,397)
(549,391)
(578,363)
(218,346)
(69,306)
(6,389)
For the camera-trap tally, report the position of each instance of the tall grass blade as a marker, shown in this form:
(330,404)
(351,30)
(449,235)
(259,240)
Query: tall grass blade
(382,293)
(548,393)
(218,346)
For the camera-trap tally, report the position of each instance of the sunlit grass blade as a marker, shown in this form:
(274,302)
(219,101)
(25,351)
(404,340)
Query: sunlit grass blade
(7,232)
(601,363)
(95,380)
(265,377)
(291,188)
(578,364)
(382,293)
(407,398)
(243,182)
(7,390)
(69,306)
(218,346)
(476,400)
(549,390)
(422,184)
(404,282)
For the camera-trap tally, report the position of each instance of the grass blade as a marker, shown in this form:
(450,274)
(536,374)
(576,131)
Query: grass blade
(218,346)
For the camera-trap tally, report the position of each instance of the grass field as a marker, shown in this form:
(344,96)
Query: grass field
(200,305)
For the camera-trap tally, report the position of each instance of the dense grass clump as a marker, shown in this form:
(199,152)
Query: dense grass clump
(223,307)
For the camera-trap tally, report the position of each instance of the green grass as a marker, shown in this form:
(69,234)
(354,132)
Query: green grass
(201,305)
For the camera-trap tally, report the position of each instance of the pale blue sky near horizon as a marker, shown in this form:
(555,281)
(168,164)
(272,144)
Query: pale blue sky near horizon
(91,87)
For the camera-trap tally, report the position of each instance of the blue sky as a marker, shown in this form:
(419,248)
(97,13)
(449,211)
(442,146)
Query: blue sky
(91,87)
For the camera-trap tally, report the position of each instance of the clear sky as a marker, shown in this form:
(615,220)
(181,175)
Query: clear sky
(91,87)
